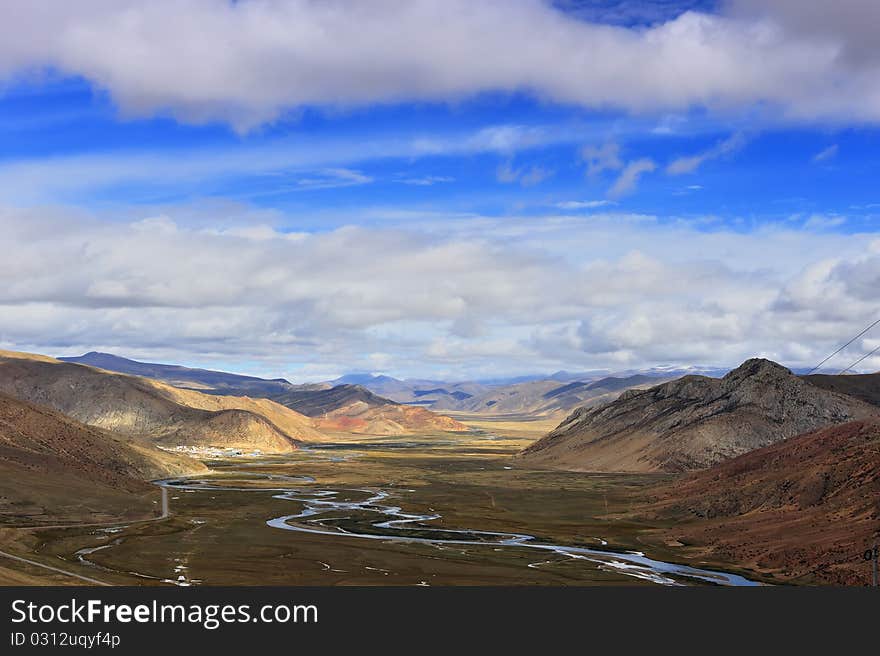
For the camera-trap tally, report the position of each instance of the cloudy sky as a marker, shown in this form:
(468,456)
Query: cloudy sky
(448,189)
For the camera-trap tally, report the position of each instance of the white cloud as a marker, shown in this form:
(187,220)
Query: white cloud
(506,173)
(428,180)
(534,175)
(824,222)
(826,154)
(691,163)
(247,62)
(629,177)
(607,158)
(601,158)
(470,296)
(582,204)
(66,178)
(525,176)
(850,25)
(333,178)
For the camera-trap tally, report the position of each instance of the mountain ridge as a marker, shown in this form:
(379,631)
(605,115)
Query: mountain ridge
(204,380)
(137,406)
(353,408)
(693,422)
(375,414)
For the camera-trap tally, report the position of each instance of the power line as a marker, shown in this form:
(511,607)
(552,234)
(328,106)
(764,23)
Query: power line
(864,357)
(843,347)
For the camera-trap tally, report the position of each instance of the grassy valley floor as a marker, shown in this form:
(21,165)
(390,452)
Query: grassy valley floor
(217,536)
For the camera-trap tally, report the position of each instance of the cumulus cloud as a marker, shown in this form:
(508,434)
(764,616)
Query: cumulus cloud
(850,25)
(691,163)
(469,297)
(248,62)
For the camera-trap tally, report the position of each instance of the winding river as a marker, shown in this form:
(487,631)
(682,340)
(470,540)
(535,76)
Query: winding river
(367,514)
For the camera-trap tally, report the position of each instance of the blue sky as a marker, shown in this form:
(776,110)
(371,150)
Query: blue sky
(461,204)
(778,171)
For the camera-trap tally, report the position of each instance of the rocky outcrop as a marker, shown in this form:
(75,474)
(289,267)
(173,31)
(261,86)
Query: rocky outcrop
(694,422)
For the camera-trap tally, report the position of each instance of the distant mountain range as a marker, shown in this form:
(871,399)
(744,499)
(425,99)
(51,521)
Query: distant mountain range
(546,397)
(355,409)
(338,407)
(535,396)
(388,385)
(78,439)
(204,380)
(501,395)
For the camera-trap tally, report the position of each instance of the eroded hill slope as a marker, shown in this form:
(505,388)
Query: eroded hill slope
(354,409)
(52,466)
(804,508)
(135,406)
(694,422)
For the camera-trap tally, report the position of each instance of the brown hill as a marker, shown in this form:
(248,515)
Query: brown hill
(54,467)
(315,402)
(805,508)
(290,422)
(355,409)
(694,422)
(142,407)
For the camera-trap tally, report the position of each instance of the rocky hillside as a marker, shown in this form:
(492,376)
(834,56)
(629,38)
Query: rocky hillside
(694,422)
(135,406)
(355,409)
(339,408)
(518,398)
(290,422)
(865,387)
(318,402)
(804,508)
(595,393)
(52,466)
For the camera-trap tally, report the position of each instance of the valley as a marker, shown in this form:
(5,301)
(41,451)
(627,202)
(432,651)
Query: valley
(110,478)
(442,510)
(531,293)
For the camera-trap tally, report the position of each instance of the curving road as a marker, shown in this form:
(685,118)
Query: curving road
(166,512)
